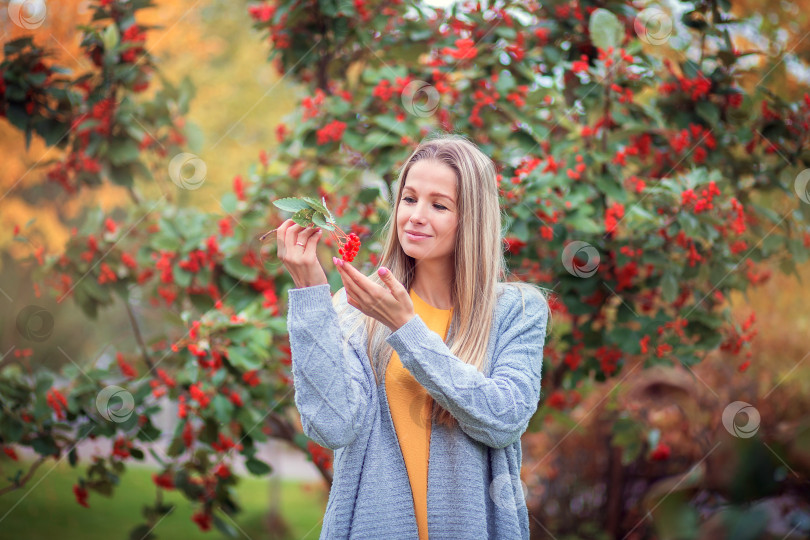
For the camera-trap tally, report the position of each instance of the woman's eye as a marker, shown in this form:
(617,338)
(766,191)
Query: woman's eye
(409,200)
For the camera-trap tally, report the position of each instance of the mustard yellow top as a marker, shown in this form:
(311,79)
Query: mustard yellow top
(410,403)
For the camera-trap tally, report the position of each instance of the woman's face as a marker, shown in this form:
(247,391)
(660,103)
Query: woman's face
(428,207)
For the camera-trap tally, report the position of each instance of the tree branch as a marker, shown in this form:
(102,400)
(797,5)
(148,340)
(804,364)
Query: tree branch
(138,337)
(26,478)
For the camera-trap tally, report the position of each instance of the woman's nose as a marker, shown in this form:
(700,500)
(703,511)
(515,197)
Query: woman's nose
(416,216)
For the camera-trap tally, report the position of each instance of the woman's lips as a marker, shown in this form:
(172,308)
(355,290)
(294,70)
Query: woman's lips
(416,237)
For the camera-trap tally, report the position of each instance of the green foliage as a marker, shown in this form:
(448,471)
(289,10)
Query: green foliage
(96,117)
(50,510)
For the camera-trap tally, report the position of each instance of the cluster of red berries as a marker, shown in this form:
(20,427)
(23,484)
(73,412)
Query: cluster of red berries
(349,250)
(57,401)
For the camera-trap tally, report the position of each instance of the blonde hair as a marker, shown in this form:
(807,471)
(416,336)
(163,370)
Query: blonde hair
(479,259)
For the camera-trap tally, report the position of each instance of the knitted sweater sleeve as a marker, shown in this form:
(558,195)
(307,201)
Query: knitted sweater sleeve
(332,391)
(494,410)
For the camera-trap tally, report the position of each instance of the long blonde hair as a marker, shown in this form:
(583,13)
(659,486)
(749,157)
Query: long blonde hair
(479,259)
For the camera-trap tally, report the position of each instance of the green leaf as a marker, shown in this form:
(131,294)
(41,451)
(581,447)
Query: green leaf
(94,290)
(304,217)
(51,130)
(176,447)
(122,176)
(258,467)
(278,325)
(233,266)
(225,528)
(690,68)
(319,221)
(605,29)
(390,123)
(242,358)
(583,224)
(181,277)
(163,242)
(44,446)
(368,195)
(316,205)
(505,83)
(10,428)
(148,433)
(290,204)
(186,92)
(669,287)
(223,408)
(123,151)
(506,32)
(708,112)
(229,202)
(110,37)
(328,8)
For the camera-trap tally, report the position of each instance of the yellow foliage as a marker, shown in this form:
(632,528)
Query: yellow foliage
(238,104)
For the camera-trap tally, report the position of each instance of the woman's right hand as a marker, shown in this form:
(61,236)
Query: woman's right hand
(301,261)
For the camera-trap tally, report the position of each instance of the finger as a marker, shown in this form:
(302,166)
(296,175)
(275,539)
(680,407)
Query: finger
(368,292)
(312,241)
(281,234)
(282,229)
(308,233)
(291,235)
(351,293)
(363,280)
(391,282)
(354,274)
(352,271)
(352,288)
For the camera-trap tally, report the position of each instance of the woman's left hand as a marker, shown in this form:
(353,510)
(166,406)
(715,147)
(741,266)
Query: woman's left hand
(392,306)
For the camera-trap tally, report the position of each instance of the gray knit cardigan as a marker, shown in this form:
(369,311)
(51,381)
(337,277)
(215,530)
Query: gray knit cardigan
(474,486)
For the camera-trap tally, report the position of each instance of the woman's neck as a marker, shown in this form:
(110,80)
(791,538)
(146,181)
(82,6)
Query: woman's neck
(433,284)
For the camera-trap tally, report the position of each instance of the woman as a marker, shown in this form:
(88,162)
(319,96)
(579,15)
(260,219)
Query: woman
(423,376)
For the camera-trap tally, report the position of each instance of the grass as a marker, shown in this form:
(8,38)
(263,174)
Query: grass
(45,507)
